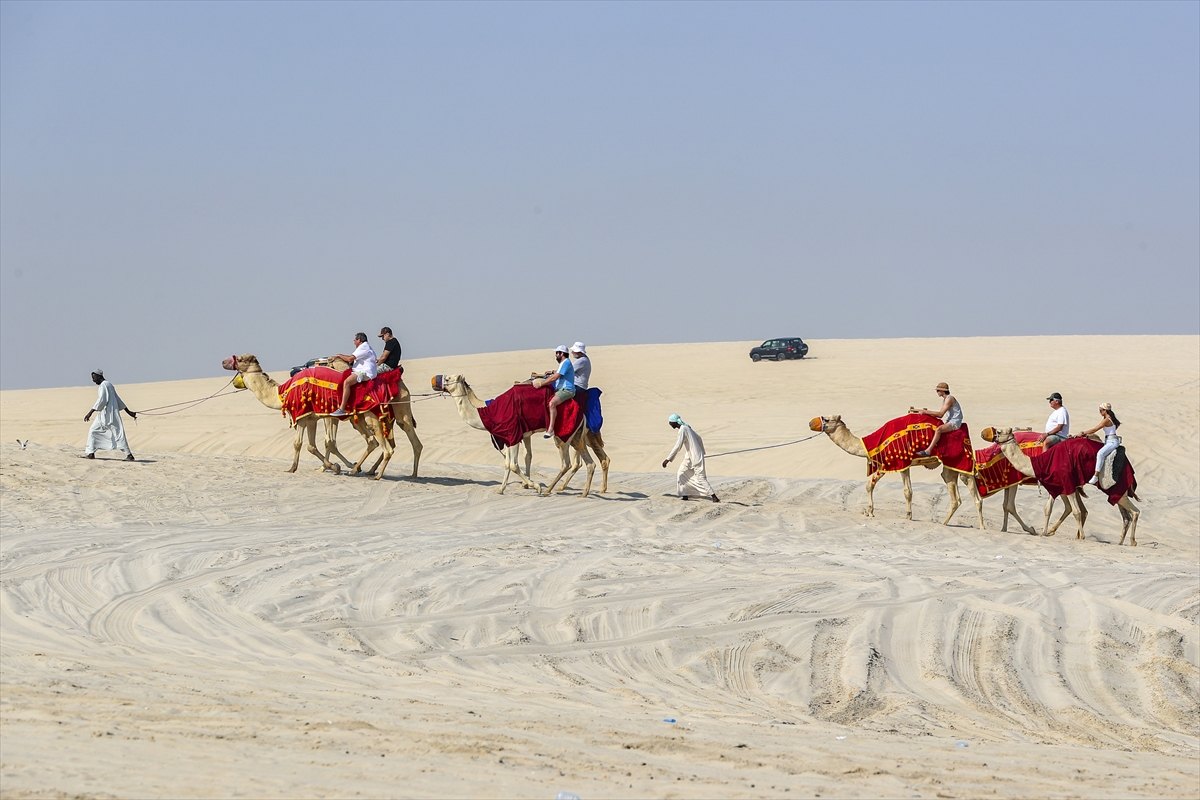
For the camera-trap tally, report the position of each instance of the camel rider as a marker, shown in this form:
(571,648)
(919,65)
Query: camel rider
(362,369)
(582,366)
(1058,424)
(391,351)
(1109,424)
(951,414)
(691,476)
(564,385)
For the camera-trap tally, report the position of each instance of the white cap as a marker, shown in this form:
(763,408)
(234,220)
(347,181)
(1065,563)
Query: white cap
(562,348)
(579,347)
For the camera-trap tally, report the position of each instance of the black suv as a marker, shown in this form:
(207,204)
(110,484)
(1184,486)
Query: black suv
(779,349)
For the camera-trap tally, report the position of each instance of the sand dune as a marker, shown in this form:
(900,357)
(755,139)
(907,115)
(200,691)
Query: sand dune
(204,624)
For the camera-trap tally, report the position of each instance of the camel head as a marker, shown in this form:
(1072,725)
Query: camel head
(825,424)
(242,363)
(997,435)
(453,385)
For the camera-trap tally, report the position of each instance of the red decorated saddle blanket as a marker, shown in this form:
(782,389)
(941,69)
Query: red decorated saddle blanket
(318,390)
(892,447)
(994,473)
(524,409)
(1068,465)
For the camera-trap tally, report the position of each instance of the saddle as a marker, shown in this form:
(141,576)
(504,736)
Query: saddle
(1113,468)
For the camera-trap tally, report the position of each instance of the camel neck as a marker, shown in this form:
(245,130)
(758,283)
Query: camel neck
(468,406)
(846,440)
(1016,456)
(265,389)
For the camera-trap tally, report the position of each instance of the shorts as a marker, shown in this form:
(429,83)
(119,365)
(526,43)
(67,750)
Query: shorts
(382,368)
(1052,440)
(951,426)
(363,376)
(563,395)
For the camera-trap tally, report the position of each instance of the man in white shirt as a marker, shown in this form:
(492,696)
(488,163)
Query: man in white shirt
(582,365)
(364,368)
(107,432)
(691,476)
(1058,424)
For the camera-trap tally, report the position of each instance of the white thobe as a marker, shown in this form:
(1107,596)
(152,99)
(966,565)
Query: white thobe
(691,476)
(107,432)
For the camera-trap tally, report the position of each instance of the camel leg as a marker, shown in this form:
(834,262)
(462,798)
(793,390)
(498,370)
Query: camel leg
(529,458)
(507,469)
(576,463)
(871,481)
(299,444)
(1129,518)
(1082,515)
(1067,511)
(581,457)
(410,430)
(907,478)
(331,448)
(602,457)
(973,488)
(377,431)
(311,429)
(378,461)
(565,454)
(365,432)
(952,486)
(1010,507)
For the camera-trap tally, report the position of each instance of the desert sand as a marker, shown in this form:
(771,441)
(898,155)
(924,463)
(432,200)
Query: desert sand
(203,624)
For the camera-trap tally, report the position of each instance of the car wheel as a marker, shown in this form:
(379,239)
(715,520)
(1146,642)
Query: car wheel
(755,357)
(782,356)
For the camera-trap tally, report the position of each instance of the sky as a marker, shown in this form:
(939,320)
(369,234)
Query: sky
(183,181)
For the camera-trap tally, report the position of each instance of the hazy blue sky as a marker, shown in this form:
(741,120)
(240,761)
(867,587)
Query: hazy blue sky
(181,181)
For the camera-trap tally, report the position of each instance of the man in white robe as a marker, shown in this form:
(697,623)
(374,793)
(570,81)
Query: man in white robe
(107,432)
(691,476)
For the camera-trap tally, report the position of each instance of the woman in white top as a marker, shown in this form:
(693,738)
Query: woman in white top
(1109,424)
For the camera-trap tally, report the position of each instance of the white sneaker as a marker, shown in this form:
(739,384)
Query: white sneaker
(547,435)
(1092,481)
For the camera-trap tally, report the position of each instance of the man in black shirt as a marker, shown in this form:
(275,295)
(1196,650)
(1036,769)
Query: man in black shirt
(391,350)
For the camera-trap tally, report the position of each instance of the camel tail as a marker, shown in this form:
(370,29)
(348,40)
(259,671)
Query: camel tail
(595,439)
(1133,494)
(1082,493)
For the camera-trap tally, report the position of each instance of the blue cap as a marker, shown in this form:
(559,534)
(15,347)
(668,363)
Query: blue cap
(675,418)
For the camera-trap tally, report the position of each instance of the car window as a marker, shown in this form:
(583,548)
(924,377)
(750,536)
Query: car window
(767,343)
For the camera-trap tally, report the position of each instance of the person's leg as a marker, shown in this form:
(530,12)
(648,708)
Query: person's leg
(1109,446)
(937,434)
(1050,441)
(554,403)
(347,387)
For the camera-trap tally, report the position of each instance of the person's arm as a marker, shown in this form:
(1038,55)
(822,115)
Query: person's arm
(1090,431)
(675,449)
(101,402)
(946,406)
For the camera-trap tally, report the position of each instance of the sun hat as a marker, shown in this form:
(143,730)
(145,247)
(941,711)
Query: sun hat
(562,348)
(579,347)
(1055,396)
(943,386)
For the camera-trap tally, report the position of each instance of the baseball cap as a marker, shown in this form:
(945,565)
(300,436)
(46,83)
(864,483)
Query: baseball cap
(1055,396)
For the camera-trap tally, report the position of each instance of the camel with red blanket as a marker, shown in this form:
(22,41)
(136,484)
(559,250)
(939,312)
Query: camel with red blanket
(513,418)
(891,449)
(374,423)
(1063,470)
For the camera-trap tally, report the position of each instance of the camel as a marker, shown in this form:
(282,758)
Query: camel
(836,430)
(468,404)
(368,424)
(1023,464)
